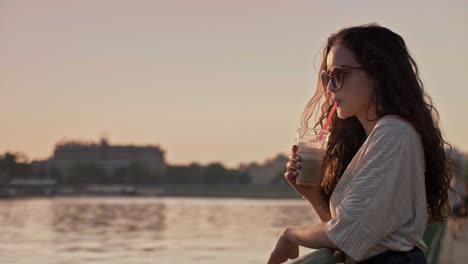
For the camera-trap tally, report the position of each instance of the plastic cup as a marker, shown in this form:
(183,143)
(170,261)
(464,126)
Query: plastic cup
(311,146)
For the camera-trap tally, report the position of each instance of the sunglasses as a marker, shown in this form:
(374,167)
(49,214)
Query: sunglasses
(336,76)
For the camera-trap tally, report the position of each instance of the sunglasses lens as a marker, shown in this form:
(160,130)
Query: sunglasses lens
(325,79)
(337,78)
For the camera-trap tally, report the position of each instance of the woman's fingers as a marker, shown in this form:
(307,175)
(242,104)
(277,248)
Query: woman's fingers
(294,149)
(292,165)
(295,157)
(290,175)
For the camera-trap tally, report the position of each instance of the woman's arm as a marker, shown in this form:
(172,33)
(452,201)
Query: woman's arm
(311,236)
(287,246)
(319,203)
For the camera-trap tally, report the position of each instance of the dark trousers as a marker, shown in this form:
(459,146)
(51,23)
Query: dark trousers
(414,256)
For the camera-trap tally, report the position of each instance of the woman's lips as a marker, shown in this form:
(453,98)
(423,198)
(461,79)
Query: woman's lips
(337,102)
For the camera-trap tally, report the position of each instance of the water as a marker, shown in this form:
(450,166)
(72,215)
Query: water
(145,230)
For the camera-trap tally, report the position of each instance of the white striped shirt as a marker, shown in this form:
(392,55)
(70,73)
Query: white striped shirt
(379,204)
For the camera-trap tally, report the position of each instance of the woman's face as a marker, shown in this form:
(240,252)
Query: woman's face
(356,92)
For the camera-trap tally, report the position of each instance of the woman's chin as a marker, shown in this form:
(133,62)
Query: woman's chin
(341,114)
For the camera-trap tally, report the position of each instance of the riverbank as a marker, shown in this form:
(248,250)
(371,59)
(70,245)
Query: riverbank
(165,190)
(229,190)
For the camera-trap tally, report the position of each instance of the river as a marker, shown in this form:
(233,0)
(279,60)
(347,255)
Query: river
(145,230)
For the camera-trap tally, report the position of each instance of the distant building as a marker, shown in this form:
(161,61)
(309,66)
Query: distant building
(107,156)
(39,168)
(264,173)
(3,177)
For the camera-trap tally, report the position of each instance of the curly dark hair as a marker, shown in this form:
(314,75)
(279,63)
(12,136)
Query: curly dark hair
(398,91)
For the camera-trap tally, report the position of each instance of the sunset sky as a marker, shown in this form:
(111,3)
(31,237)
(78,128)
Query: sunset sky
(207,80)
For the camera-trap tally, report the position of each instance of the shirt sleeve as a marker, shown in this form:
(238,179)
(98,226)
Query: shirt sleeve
(377,200)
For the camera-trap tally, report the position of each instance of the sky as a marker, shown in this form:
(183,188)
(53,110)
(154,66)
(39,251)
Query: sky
(207,80)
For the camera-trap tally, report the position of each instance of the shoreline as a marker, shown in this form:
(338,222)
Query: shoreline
(166,190)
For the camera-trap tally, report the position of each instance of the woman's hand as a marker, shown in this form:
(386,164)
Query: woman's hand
(284,250)
(293,167)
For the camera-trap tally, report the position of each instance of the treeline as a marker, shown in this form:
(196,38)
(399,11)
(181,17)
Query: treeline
(213,173)
(14,165)
(83,173)
(88,172)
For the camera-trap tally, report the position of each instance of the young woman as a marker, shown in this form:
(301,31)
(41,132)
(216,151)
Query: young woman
(385,171)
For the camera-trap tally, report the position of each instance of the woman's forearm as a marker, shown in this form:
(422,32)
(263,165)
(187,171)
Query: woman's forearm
(312,236)
(320,204)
